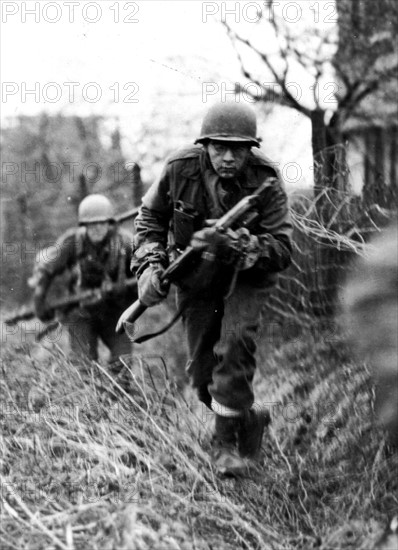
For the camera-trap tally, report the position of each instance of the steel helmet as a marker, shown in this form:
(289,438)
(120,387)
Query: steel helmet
(230,122)
(95,209)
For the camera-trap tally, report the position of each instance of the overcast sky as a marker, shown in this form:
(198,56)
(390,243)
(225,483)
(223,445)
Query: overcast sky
(119,58)
(107,52)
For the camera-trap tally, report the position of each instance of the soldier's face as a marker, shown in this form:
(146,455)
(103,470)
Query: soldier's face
(97,232)
(228,158)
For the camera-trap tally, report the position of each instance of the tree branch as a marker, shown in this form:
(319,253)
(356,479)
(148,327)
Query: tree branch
(356,95)
(286,98)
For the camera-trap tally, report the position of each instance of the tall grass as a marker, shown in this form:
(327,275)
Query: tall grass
(96,461)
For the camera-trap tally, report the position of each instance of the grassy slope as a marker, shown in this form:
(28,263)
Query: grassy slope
(87,466)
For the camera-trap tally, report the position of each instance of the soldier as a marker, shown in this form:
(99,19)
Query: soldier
(221,309)
(97,254)
(370,305)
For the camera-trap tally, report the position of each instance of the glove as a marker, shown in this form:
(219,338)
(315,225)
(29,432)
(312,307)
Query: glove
(222,245)
(150,289)
(40,309)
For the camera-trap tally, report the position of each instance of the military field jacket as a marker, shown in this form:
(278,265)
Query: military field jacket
(91,265)
(179,203)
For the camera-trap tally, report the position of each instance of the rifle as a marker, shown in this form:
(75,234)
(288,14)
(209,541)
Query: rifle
(86,297)
(129,214)
(187,261)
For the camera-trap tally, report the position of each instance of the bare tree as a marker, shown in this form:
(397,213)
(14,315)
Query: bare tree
(333,62)
(347,58)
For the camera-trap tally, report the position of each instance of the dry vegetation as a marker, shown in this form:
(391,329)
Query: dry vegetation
(91,462)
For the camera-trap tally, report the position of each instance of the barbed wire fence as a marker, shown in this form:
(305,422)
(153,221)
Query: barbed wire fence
(330,231)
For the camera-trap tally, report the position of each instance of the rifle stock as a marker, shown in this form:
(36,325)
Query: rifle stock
(130,315)
(187,259)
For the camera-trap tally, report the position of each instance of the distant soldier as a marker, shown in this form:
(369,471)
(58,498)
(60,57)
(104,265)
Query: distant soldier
(370,299)
(98,255)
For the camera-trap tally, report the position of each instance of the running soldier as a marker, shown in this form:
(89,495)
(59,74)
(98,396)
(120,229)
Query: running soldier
(98,255)
(222,309)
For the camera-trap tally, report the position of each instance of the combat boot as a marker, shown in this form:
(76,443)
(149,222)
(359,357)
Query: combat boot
(250,432)
(224,454)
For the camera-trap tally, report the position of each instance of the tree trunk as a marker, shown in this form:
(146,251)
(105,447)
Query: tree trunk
(328,156)
(329,187)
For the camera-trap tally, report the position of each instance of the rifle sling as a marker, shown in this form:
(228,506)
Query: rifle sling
(171,323)
(47,330)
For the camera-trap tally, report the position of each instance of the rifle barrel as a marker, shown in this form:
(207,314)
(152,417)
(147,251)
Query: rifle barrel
(29,313)
(130,214)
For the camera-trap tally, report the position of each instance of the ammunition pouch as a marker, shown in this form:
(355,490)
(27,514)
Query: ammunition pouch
(185,223)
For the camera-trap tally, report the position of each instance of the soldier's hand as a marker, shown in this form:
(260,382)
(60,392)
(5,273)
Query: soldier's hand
(40,308)
(221,244)
(249,248)
(109,290)
(107,287)
(151,290)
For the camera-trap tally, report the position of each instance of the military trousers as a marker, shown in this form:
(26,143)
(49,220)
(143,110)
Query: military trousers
(86,327)
(221,335)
